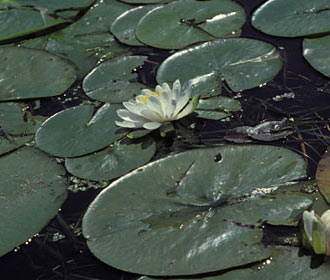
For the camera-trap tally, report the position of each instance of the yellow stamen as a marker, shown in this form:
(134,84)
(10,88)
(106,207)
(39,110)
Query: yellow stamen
(145,98)
(159,93)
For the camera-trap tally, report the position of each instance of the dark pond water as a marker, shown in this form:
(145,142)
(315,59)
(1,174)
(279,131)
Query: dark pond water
(68,258)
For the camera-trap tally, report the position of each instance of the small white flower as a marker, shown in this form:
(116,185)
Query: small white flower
(152,109)
(317,231)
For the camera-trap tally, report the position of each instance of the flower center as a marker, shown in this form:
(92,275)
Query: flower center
(145,98)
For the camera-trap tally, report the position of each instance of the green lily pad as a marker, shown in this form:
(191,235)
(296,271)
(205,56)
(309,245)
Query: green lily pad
(98,19)
(78,131)
(114,80)
(203,203)
(52,5)
(86,51)
(17,23)
(123,28)
(242,63)
(138,133)
(283,264)
(291,18)
(16,126)
(217,108)
(110,163)
(27,73)
(206,86)
(188,22)
(86,42)
(32,189)
(146,1)
(317,53)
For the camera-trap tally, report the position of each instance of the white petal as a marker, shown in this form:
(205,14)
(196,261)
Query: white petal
(151,109)
(180,103)
(128,116)
(326,219)
(151,115)
(130,124)
(133,107)
(139,98)
(146,92)
(158,89)
(186,111)
(176,89)
(308,218)
(167,106)
(152,125)
(187,91)
(172,105)
(166,87)
(155,105)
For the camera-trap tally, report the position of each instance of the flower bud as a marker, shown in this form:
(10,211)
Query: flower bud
(316,232)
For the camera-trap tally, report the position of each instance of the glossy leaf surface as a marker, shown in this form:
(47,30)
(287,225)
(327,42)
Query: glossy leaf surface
(283,264)
(78,130)
(147,1)
(217,108)
(27,73)
(242,63)
(115,80)
(317,53)
(182,23)
(86,42)
(18,23)
(32,189)
(16,126)
(291,18)
(203,203)
(110,163)
(123,28)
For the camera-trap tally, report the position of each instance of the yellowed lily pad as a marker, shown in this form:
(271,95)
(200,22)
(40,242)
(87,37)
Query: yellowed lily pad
(323,175)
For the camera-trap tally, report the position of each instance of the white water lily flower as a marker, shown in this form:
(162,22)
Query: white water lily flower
(317,231)
(152,109)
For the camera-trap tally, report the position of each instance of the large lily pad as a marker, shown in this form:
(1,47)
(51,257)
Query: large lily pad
(16,126)
(146,1)
(78,131)
(317,53)
(20,22)
(32,189)
(27,73)
(242,63)
(291,18)
(203,203)
(188,22)
(114,80)
(206,86)
(283,264)
(86,42)
(49,4)
(86,51)
(110,163)
(99,17)
(123,28)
